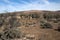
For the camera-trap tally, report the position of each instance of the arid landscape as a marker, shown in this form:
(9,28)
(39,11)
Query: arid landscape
(30,25)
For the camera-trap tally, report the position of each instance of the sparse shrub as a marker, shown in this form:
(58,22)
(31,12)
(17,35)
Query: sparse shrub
(58,19)
(1,22)
(58,29)
(45,25)
(30,24)
(47,16)
(12,33)
(1,15)
(14,23)
(55,21)
(57,16)
(51,17)
(22,15)
(34,15)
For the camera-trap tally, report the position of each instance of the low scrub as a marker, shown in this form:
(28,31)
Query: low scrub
(51,17)
(34,15)
(45,25)
(10,34)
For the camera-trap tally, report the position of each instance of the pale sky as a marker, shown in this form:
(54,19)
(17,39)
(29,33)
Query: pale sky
(23,5)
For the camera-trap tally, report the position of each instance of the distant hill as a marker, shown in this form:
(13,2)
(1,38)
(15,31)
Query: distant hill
(30,25)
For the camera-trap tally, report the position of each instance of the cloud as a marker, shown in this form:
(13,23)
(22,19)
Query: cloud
(32,5)
(46,1)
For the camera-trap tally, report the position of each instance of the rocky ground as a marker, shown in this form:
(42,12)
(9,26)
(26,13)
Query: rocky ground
(30,25)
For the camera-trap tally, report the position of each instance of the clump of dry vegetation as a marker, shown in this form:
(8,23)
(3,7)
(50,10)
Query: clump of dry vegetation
(46,25)
(10,34)
(55,17)
(34,15)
